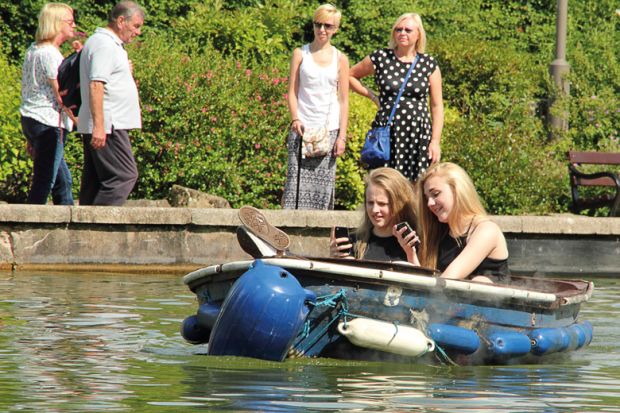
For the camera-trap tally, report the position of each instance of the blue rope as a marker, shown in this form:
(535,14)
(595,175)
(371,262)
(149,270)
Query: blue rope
(331,301)
(443,357)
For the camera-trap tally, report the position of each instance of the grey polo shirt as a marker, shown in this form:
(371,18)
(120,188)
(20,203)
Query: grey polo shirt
(104,59)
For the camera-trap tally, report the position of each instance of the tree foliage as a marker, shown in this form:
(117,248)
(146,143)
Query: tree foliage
(213,78)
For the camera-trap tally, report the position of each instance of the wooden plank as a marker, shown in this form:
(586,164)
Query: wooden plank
(605,181)
(595,158)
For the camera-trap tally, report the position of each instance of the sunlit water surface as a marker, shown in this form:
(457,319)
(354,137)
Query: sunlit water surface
(110,342)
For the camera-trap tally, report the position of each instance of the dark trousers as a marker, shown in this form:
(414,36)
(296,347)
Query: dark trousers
(110,173)
(50,172)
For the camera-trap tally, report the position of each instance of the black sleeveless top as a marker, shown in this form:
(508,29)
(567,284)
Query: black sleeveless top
(450,248)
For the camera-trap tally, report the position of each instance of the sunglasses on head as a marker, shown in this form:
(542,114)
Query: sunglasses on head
(326,26)
(403,29)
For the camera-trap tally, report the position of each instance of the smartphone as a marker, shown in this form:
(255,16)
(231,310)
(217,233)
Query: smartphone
(343,232)
(407,231)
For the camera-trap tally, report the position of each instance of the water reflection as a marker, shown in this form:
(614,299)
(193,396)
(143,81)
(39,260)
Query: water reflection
(101,342)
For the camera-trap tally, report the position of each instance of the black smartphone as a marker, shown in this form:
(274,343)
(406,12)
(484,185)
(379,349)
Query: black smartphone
(343,232)
(407,231)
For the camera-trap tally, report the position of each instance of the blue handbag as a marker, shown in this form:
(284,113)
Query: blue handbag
(376,149)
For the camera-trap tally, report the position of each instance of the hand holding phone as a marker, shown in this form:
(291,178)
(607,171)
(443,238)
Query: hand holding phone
(343,232)
(407,231)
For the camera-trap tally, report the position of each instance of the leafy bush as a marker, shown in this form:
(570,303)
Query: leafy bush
(255,35)
(212,78)
(15,165)
(209,123)
(349,174)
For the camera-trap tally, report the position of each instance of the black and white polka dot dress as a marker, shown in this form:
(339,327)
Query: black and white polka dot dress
(411,126)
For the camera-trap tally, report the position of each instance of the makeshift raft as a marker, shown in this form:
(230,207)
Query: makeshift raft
(274,308)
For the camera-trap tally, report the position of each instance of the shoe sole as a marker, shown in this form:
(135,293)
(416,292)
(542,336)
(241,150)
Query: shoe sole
(253,245)
(256,222)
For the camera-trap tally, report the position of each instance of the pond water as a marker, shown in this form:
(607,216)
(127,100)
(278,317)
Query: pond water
(110,342)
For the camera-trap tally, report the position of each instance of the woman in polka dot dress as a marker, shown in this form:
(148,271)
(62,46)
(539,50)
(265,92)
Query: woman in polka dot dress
(415,131)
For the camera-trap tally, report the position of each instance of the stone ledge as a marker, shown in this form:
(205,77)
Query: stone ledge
(47,214)
(127,238)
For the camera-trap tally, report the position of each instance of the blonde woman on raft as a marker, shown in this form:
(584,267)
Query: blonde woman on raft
(389,200)
(458,238)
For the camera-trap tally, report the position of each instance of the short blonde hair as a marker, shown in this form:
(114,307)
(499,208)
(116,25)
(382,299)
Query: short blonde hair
(325,11)
(51,20)
(420,45)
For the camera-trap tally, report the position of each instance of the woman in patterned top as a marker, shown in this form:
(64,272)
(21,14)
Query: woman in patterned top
(415,133)
(44,120)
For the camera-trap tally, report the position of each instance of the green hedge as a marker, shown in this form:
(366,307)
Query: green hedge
(213,79)
(14,162)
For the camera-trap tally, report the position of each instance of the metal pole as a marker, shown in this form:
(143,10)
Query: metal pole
(560,68)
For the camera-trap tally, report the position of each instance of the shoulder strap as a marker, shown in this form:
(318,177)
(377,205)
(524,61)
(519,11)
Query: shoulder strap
(402,88)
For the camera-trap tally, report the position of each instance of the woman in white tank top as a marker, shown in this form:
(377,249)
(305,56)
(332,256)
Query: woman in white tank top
(318,96)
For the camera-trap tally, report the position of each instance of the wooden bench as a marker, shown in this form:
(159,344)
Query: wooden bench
(604,179)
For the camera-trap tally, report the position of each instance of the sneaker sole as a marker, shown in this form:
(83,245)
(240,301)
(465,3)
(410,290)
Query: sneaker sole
(253,245)
(256,222)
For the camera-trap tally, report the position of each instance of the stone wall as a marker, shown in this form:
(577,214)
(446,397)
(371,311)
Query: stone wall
(147,239)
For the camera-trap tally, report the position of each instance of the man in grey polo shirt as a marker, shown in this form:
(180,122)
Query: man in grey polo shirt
(110,108)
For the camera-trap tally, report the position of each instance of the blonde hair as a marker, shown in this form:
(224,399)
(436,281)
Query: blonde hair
(466,205)
(420,45)
(401,200)
(325,11)
(51,19)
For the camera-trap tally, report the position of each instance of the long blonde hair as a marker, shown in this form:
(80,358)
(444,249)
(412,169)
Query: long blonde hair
(420,45)
(401,199)
(51,21)
(466,205)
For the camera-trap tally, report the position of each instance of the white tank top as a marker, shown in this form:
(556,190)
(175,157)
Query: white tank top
(318,92)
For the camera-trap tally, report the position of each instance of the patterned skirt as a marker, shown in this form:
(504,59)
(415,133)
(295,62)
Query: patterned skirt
(316,177)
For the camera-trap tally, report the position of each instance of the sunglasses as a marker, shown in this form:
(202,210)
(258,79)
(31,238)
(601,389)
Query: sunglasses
(326,26)
(403,29)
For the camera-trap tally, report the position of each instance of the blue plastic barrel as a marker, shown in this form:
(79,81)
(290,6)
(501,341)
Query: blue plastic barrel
(589,330)
(583,331)
(577,335)
(506,343)
(193,332)
(207,314)
(262,314)
(549,340)
(454,338)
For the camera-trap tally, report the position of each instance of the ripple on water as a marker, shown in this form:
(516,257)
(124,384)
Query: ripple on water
(84,343)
